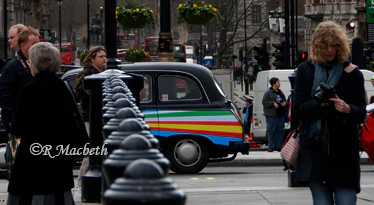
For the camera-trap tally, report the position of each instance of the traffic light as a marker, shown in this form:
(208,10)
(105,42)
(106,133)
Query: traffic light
(241,55)
(351,25)
(280,55)
(303,56)
(262,57)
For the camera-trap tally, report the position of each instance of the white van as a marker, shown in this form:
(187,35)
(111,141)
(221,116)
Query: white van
(262,84)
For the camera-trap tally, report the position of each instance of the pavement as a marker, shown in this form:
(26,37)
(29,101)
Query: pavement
(256,157)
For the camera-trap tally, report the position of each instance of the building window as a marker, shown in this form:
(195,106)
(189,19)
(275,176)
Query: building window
(78,34)
(256,14)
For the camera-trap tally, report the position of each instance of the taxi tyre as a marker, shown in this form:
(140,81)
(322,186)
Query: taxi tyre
(187,155)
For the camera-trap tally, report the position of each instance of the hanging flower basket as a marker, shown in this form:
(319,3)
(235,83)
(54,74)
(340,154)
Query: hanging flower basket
(131,22)
(136,55)
(196,13)
(130,16)
(201,18)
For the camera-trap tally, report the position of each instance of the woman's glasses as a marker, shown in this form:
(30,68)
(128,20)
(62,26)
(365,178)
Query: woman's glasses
(98,48)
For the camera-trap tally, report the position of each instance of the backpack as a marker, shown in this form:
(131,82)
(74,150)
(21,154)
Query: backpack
(367,136)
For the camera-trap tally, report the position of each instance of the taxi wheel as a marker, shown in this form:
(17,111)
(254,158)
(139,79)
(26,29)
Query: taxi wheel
(187,156)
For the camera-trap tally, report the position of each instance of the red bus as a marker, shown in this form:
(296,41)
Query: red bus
(126,41)
(67,53)
(151,47)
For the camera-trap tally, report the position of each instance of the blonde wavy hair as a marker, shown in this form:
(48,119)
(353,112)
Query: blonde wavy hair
(326,32)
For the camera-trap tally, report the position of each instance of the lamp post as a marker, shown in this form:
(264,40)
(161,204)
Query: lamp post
(101,25)
(225,48)
(59,2)
(5,12)
(246,79)
(88,25)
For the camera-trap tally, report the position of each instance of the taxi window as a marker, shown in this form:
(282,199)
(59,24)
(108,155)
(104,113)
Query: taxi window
(146,92)
(177,88)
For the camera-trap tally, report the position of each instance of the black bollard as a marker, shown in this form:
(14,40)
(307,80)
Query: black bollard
(113,97)
(144,183)
(126,128)
(111,111)
(113,120)
(91,180)
(133,147)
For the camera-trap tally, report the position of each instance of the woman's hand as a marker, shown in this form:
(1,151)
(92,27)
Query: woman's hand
(276,105)
(340,105)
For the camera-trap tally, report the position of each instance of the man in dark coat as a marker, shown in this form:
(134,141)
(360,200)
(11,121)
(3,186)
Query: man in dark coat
(274,103)
(14,76)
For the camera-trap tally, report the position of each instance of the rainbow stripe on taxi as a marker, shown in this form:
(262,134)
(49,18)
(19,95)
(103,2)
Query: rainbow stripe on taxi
(220,126)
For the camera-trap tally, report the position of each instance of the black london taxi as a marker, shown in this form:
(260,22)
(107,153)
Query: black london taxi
(188,112)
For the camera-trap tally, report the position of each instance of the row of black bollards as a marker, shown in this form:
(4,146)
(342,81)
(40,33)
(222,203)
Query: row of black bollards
(135,171)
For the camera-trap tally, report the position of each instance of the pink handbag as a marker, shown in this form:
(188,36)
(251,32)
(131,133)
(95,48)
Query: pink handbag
(290,149)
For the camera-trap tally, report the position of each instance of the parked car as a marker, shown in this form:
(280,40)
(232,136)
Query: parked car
(194,123)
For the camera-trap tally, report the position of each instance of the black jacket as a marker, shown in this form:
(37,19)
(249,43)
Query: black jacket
(13,77)
(336,159)
(44,115)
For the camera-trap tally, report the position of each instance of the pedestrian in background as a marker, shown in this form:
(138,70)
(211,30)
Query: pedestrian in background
(13,36)
(93,63)
(274,103)
(330,115)
(239,73)
(371,99)
(43,116)
(248,115)
(15,74)
(372,81)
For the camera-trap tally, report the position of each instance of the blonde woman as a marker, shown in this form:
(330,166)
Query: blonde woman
(329,116)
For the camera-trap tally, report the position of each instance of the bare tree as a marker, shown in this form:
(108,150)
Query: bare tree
(230,24)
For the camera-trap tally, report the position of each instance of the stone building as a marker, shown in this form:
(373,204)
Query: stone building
(341,11)
(44,14)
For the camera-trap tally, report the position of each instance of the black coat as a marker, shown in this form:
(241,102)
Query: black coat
(13,78)
(335,160)
(44,114)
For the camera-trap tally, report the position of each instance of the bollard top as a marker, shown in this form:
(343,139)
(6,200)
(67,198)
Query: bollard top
(130,125)
(125,113)
(135,142)
(107,106)
(123,102)
(112,77)
(144,169)
(119,89)
(119,83)
(118,96)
